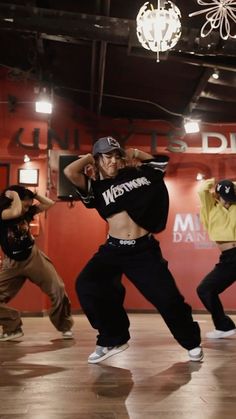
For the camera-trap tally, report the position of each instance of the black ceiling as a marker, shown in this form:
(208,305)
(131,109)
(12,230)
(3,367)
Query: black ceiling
(88,51)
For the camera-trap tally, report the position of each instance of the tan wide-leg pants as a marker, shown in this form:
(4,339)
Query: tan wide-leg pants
(38,269)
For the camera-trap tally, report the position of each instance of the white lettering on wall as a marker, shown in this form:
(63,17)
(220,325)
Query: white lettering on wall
(233,141)
(175,142)
(205,142)
(187,228)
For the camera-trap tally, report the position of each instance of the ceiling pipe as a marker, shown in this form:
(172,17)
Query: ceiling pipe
(102,63)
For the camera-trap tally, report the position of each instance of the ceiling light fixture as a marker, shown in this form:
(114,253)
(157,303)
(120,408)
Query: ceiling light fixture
(158,29)
(218,16)
(200,176)
(191,126)
(43,103)
(26,158)
(215,75)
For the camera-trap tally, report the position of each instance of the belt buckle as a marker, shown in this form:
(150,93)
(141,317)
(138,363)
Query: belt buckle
(127,242)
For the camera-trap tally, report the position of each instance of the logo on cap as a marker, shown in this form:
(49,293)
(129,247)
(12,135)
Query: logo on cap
(105,145)
(226,189)
(112,142)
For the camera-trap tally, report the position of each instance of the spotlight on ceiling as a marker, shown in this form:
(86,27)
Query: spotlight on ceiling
(191,126)
(215,74)
(43,103)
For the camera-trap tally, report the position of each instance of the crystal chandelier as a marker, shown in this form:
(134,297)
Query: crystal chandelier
(159,29)
(218,15)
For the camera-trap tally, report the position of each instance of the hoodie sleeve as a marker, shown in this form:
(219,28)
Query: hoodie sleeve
(158,165)
(207,200)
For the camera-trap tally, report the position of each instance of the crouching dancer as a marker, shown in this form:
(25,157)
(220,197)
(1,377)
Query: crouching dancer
(23,259)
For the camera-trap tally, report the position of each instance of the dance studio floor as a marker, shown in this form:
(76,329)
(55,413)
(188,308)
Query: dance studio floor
(44,377)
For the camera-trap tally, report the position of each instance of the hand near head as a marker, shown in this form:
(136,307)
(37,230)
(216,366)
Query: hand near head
(136,156)
(13,208)
(76,170)
(90,168)
(90,171)
(132,156)
(88,156)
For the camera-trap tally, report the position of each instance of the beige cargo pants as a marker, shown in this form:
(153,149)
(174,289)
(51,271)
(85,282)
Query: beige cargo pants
(38,269)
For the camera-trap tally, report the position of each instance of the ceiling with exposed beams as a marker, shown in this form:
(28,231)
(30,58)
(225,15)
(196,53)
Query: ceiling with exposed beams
(88,51)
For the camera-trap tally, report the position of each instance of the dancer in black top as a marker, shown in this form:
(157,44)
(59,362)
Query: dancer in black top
(24,260)
(128,191)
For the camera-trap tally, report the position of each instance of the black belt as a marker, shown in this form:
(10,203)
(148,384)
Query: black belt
(127,242)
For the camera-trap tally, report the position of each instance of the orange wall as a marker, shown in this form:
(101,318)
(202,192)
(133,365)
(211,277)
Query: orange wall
(70,235)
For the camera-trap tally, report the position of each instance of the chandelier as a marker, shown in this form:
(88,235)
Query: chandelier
(158,29)
(218,15)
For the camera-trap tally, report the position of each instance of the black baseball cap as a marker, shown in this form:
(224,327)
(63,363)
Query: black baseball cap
(227,190)
(106,145)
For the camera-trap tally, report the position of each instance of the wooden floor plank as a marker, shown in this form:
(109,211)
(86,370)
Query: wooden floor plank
(45,377)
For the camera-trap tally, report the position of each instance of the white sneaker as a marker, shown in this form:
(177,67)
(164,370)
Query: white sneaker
(220,334)
(67,335)
(196,354)
(103,352)
(11,335)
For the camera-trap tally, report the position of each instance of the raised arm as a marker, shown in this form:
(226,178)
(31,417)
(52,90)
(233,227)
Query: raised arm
(204,191)
(44,203)
(207,200)
(135,153)
(138,157)
(75,170)
(15,208)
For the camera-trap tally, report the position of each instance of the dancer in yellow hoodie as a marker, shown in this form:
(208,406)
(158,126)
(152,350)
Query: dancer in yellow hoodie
(218,215)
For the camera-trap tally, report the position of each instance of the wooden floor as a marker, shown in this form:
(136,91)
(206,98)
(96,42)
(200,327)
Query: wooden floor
(44,377)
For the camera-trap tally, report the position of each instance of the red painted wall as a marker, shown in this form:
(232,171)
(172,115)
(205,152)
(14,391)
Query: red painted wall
(70,235)
(74,235)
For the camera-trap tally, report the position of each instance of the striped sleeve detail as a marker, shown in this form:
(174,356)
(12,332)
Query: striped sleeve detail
(86,197)
(157,165)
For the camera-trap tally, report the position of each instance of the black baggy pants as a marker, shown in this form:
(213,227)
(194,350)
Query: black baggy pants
(101,292)
(218,280)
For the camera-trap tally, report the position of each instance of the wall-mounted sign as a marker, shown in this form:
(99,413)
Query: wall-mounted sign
(204,142)
(187,228)
(28,177)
